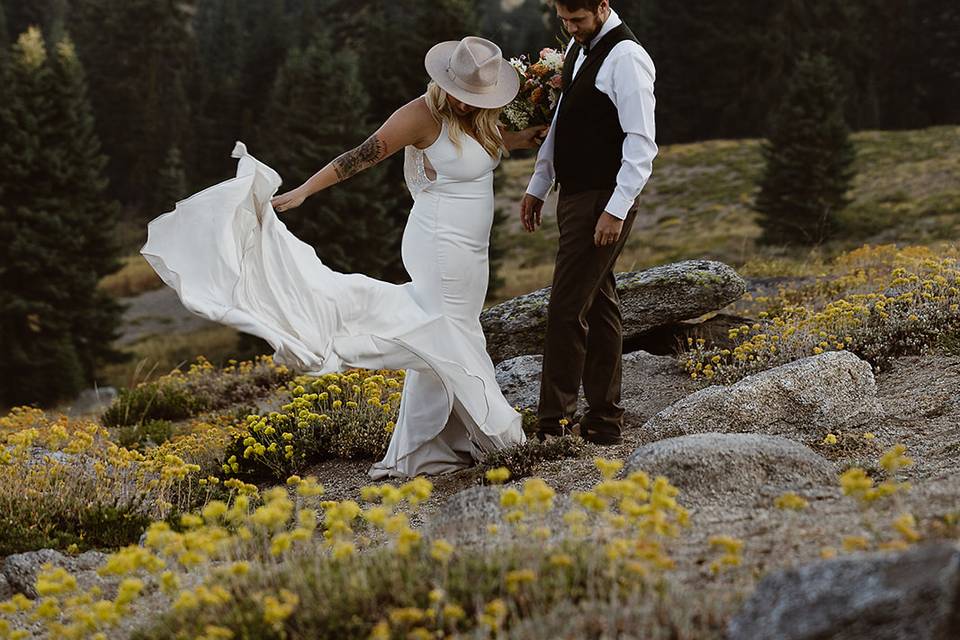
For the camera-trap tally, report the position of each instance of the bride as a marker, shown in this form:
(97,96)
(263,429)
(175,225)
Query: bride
(231,259)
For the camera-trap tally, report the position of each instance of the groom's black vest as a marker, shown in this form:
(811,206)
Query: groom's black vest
(588,138)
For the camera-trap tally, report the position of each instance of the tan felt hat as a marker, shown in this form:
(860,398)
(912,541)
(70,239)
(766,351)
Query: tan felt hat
(473,70)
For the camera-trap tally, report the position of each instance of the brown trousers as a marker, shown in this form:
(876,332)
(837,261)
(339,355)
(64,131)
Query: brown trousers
(584,337)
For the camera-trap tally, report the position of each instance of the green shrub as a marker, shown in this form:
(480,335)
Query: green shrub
(202,388)
(96,525)
(522,458)
(150,432)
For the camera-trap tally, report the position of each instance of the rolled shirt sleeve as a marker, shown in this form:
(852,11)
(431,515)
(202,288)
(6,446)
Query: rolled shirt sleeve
(628,81)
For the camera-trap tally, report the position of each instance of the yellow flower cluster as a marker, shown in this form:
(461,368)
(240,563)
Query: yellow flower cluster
(339,413)
(855,481)
(439,620)
(791,501)
(81,469)
(397,525)
(220,533)
(631,516)
(731,553)
(880,292)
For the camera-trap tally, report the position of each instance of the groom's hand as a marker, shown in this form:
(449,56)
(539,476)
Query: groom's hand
(608,230)
(530,212)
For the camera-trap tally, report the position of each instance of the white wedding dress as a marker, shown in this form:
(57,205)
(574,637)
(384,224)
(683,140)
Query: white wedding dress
(232,260)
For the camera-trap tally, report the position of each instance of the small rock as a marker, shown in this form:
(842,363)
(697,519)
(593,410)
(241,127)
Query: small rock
(519,380)
(92,401)
(802,400)
(890,596)
(21,569)
(648,299)
(6,591)
(735,467)
(650,384)
(468,512)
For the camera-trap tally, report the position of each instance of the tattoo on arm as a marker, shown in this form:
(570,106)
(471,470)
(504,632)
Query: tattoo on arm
(356,160)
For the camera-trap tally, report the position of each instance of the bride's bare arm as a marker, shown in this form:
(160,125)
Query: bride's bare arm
(410,124)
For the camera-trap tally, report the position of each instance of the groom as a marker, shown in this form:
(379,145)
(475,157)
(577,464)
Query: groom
(599,150)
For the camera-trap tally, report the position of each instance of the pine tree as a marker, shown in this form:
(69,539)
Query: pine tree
(317,111)
(809,159)
(74,150)
(4,35)
(40,363)
(58,325)
(140,56)
(172,182)
(222,114)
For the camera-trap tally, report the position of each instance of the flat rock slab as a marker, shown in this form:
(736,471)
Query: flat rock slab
(731,467)
(802,400)
(649,384)
(889,596)
(648,299)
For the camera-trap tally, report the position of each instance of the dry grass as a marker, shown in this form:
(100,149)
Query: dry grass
(698,203)
(135,277)
(157,355)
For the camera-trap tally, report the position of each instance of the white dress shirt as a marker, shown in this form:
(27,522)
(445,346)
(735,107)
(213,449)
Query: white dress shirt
(626,75)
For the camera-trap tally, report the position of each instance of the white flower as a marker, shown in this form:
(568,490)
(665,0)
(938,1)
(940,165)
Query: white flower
(519,65)
(552,59)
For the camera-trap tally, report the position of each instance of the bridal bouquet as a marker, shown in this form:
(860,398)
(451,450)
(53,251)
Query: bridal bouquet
(540,84)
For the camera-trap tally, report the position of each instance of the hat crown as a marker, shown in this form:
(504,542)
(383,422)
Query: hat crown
(475,64)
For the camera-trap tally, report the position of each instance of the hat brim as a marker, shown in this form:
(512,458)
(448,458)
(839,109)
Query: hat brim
(503,93)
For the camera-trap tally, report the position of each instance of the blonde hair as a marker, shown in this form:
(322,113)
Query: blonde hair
(482,121)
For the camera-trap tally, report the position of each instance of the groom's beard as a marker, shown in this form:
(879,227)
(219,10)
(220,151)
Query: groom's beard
(585,40)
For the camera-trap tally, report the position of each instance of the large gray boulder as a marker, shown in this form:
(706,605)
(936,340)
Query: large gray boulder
(802,400)
(649,299)
(889,596)
(737,468)
(650,383)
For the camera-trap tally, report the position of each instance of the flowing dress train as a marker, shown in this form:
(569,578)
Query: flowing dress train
(232,260)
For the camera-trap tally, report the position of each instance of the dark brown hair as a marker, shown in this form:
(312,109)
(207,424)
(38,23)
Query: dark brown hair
(576,5)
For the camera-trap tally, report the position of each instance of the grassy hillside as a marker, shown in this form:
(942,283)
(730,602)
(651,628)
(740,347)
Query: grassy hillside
(697,204)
